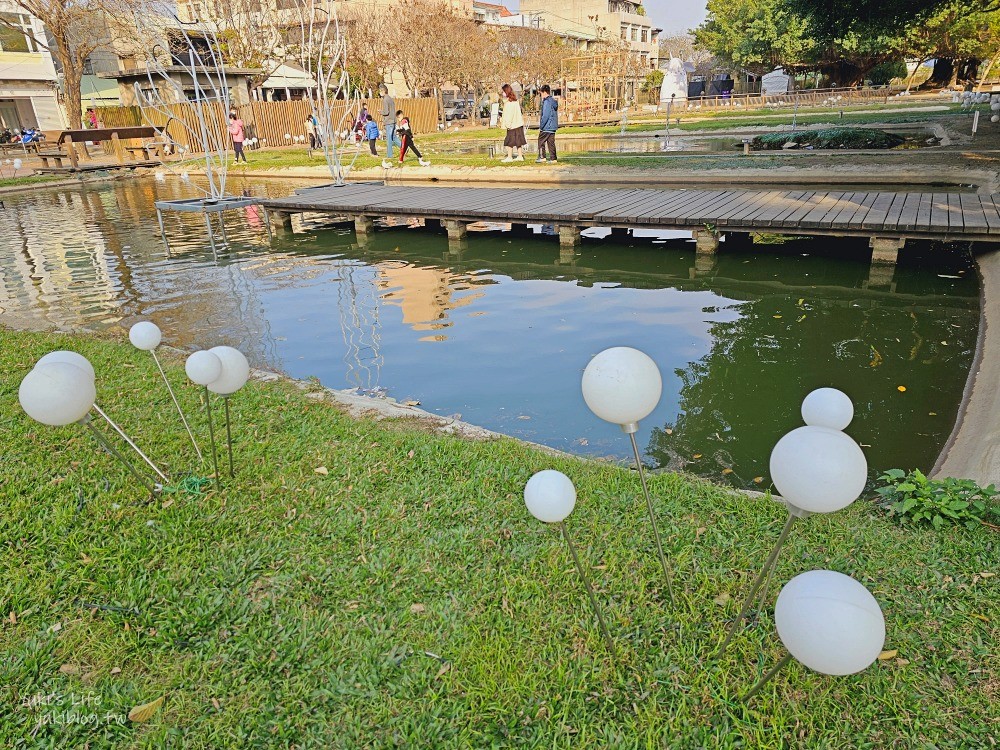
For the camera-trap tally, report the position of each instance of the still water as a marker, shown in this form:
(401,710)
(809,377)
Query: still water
(501,332)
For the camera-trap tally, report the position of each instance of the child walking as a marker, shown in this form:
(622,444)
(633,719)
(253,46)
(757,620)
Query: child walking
(406,134)
(238,135)
(371,133)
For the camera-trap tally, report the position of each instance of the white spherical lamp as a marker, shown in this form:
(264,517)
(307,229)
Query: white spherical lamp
(830,622)
(68,357)
(145,336)
(17,164)
(235,371)
(203,367)
(622,385)
(550,496)
(827,407)
(817,469)
(57,394)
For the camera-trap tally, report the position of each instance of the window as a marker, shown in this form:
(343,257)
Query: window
(644,34)
(19,39)
(625,33)
(635,34)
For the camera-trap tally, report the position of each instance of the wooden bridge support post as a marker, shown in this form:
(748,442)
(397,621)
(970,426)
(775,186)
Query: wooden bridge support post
(885,251)
(280,220)
(569,236)
(116,144)
(363,226)
(457,230)
(71,152)
(706,242)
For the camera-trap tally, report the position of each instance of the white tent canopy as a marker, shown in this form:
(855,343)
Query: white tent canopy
(288,76)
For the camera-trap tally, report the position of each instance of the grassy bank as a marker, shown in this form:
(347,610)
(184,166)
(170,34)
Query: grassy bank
(403,597)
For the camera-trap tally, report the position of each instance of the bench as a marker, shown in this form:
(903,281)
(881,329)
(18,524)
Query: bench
(70,140)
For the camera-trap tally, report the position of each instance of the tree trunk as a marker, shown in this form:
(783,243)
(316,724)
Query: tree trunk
(944,74)
(72,98)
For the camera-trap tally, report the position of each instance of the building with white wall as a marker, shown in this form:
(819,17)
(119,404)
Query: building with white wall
(28,81)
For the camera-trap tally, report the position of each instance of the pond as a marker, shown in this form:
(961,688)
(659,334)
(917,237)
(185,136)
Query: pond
(500,333)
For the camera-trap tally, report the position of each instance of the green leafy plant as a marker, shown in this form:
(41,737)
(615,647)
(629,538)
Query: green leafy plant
(914,497)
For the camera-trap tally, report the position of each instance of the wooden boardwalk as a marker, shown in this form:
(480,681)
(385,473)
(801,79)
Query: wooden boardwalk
(881,215)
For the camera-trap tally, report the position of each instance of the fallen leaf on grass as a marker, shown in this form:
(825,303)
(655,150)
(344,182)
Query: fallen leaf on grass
(69,669)
(12,618)
(85,560)
(216,704)
(902,662)
(980,617)
(321,470)
(116,670)
(410,454)
(981,575)
(417,608)
(444,668)
(166,504)
(886,655)
(722,598)
(699,531)
(145,712)
(55,628)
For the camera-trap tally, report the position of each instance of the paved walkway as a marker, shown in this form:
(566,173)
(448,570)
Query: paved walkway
(973,451)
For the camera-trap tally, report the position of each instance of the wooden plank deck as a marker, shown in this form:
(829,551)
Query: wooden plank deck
(948,216)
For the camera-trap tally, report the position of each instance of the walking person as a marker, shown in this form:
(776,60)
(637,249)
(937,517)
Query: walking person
(311,131)
(548,124)
(371,133)
(388,125)
(406,132)
(513,121)
(238,133)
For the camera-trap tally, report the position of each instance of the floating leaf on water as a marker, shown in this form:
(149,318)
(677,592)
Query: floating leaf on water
(947,276)
(696,455)
(145,711)
(727,471)
(932,414)
(758,480)
(775,316)
(901,388)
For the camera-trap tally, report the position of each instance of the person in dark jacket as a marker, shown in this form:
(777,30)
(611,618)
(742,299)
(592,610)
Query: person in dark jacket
(371,133)
(548,124)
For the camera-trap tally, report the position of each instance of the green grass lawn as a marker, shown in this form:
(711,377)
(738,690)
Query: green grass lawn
(32,180)
(405,598)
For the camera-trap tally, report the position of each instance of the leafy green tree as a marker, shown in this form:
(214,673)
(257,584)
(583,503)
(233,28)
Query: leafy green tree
(756,35)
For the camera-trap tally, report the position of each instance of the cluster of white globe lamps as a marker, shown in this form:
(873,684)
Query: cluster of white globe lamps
(61,390)
(826,620)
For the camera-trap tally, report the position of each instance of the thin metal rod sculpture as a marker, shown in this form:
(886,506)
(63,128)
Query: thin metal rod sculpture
(179,410)
(229,436)
(211,436)
(106,444)
(590,591)
(766,678)
(769,565)
(128,440)
(652,518)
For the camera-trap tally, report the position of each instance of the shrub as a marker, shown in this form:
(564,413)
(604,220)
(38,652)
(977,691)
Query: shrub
(831,138)
(915,498)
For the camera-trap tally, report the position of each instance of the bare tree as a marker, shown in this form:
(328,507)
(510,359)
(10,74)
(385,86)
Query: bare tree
(74,29)
(683,46)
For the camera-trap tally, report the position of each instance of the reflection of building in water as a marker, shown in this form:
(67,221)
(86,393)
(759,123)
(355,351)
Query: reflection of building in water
(424,294)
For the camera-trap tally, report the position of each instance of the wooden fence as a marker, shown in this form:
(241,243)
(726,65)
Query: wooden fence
(268,121)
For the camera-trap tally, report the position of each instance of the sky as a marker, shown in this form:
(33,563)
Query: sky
(673,16)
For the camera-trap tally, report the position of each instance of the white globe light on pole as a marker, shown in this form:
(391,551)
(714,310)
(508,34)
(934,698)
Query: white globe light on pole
(623,385)
(815,469)
(830,622)
(57,393)
(235,373)
(146,336)
(827,407)
(550,497)
(203,367)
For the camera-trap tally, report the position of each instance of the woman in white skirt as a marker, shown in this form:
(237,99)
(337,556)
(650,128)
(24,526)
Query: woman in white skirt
(513,120)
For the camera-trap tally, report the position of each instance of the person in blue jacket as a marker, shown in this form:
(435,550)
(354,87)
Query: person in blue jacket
(548,124)
(371,133)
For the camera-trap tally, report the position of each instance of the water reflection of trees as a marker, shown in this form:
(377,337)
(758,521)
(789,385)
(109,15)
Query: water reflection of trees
(779,348)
